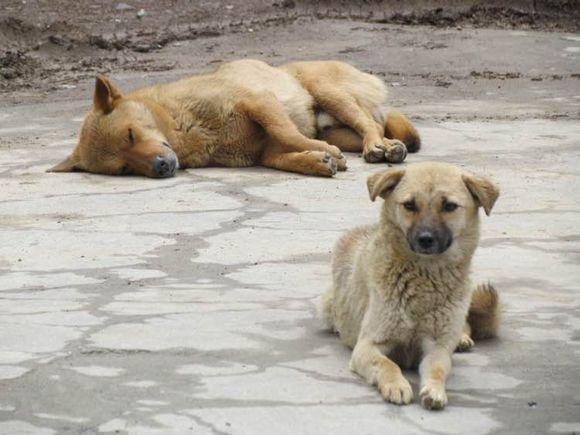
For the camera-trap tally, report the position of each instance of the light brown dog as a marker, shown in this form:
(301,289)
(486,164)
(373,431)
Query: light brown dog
(295,118)
(401,289)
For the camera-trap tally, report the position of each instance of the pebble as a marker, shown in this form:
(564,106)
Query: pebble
(123,7)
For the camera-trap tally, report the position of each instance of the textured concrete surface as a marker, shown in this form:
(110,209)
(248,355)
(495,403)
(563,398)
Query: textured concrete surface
(187,305)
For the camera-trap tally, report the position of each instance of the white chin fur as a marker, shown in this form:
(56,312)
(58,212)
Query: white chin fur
(324,121)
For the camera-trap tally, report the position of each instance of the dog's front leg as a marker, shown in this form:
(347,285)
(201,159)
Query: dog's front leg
(264,109)
(434,369)
(369,361)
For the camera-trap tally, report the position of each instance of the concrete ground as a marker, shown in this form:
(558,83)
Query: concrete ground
(187,305)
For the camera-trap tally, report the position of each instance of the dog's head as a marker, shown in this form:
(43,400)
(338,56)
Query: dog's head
(433,205)
(123,135)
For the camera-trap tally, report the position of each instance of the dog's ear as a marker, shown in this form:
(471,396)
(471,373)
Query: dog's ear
(483,191)
(383,183)
(70,164)
(106,93)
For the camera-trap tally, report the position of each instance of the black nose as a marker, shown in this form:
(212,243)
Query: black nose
(425,240)
(164,166)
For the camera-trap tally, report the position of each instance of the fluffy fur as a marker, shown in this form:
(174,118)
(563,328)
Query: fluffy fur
(245,113)
(397,307)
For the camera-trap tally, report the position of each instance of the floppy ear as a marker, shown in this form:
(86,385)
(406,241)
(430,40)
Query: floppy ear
(383,183)
(70,164)
(105,94)
(483,191)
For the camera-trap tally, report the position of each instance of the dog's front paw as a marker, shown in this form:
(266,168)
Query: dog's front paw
(341,164)
(396,152)
(433,396)
(398,391)
(330,163)
(465,344)
(337,155)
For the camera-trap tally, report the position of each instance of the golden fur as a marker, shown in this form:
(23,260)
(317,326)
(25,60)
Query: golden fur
(245,113)
(394,304)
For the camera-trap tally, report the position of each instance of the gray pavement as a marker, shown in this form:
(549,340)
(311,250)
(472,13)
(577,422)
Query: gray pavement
(187,305)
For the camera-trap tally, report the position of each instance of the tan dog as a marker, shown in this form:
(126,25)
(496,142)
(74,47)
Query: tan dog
(245,113)
(401,289)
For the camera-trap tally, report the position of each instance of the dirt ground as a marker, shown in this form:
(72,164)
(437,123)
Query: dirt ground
(49,45)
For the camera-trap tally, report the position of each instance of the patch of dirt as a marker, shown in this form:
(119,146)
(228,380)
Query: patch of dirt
(49,44)
(15,64)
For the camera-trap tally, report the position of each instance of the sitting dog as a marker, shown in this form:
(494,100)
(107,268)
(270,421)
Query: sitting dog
(401,290)
(295,118)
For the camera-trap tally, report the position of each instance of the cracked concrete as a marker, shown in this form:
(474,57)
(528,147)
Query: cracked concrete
(188,304)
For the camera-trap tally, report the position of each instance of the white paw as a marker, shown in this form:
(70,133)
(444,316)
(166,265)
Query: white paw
(398,392)
(465,344)
(433,396)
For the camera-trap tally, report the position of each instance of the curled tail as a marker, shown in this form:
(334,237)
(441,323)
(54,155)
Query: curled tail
(484,312)
(398,126)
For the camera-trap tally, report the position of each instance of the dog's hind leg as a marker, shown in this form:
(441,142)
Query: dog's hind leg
(344,107)
(325,309)
(264,109)
(398,126)
(466,343)
(344,138)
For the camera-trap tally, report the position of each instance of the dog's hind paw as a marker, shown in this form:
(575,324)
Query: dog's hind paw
(396,151)
(398,392)
(375,153)
(433,396)
(465,344)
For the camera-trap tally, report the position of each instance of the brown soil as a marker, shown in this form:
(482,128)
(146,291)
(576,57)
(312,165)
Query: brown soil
(50,44)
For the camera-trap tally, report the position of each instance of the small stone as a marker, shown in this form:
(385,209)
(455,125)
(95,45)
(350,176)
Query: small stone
(141,13)
(123,7)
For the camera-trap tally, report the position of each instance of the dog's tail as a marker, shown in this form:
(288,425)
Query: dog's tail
(484,312)
(399,127)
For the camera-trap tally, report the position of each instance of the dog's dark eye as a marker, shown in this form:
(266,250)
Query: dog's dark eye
(448,207)
(165,144)
(410,206)
(131,137)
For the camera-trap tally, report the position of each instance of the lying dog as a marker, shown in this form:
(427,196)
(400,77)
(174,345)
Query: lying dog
(295,118)
(401,290)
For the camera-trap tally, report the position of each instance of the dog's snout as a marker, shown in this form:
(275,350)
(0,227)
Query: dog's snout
(425,240)
(430,238)
(164,166)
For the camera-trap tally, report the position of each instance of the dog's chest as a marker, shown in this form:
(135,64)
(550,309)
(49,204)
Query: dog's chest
(423,300)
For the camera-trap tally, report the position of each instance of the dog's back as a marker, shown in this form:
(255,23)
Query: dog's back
(369,91)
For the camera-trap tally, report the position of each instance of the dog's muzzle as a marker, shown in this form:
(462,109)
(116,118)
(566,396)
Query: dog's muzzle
(430,239)
(164,166)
